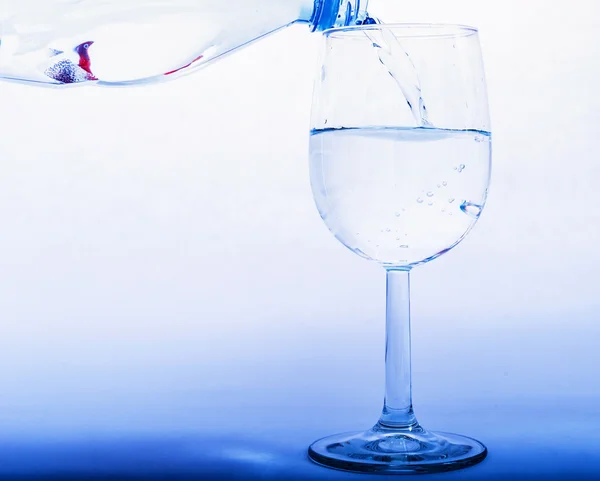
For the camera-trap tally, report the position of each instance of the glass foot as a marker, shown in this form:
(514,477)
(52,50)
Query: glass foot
(389,451)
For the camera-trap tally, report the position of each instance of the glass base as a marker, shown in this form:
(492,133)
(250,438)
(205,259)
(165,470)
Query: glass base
(389,451)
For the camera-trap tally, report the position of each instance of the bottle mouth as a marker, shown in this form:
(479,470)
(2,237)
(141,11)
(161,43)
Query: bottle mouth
(338,14)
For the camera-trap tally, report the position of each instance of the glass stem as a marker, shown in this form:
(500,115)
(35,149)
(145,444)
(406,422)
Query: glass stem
(398,410)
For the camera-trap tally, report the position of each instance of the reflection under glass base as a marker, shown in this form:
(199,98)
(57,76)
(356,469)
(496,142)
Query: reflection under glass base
(391,451)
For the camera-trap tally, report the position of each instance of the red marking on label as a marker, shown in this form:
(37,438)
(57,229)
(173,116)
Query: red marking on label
(185,66)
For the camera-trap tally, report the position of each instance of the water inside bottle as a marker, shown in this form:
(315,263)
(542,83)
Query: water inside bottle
(124,42)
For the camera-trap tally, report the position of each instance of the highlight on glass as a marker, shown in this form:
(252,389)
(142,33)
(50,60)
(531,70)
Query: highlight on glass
(400,163)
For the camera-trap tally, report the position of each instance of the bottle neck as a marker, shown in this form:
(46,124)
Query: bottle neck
(338,13)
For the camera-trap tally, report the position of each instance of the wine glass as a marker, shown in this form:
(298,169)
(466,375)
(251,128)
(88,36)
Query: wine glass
(400,161)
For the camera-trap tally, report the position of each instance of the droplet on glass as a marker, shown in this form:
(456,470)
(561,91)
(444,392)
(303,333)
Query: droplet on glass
(444,183)
(472,210)
(429,194)
(451,200)
(419,200)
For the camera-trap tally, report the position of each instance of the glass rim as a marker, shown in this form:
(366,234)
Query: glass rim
(408,30)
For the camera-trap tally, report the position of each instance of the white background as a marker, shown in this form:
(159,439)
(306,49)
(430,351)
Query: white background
(159,240)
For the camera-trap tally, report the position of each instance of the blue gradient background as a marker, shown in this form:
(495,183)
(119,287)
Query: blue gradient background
(172,306)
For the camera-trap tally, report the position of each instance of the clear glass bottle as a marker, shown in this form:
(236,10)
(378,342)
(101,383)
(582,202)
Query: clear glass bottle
(125,42)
